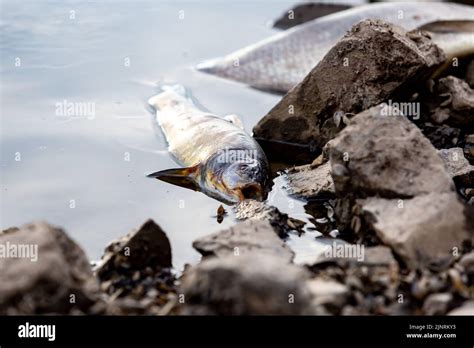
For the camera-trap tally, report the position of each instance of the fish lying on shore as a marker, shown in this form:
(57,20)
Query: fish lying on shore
(281,61)
(220,159)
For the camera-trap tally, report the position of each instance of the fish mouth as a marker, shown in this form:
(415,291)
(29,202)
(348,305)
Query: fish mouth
(251,191)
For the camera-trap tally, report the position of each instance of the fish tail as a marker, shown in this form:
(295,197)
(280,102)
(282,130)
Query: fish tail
(168,95)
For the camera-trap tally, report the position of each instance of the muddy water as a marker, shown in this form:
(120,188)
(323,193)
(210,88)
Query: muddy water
(76,136)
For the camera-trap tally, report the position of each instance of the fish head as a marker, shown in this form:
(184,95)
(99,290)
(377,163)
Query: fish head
(240,180)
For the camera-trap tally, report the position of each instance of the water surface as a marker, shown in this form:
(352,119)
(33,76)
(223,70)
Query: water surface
(85,171)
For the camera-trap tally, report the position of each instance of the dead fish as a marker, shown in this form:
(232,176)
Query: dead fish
(220,159)
(281,61)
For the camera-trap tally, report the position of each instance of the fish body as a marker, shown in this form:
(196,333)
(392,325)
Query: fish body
(281,61)
(219,158)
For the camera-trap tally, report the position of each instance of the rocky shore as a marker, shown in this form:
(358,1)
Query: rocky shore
(396,183)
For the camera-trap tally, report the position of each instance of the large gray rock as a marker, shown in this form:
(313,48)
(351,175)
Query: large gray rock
(386,156)
(245,237)
(308,182)
(250,284)
(43,271)
(356,74)
(424,230)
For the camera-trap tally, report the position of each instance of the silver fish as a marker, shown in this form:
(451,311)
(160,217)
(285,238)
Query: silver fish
(220,159)
(283,60)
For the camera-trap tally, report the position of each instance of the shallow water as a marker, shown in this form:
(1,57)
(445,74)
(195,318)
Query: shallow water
(85,171)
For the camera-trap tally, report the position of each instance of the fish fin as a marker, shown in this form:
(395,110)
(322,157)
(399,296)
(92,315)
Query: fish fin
(306,12)
(234,119)
(459,26)
(184,177)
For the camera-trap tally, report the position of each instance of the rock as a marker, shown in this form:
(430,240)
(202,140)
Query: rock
(378,256)
(437,304)
(52,276)
(469,147)
(245,237)
(386,156)
(443,136)
(372,256)
(363,74)
(467,263)
(307,182)
(250,284)
(458,166)
(328,292)
(466,309)
(456,100)
(422,230)
(303,13)
(470,74)
(136,272)
(147,247)
(253,210)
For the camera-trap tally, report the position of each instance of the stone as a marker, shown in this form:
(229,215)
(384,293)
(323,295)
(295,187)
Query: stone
(248,236)
(386,156)
(147,247)
(53,274)
(470,74)
(437,304)
(467,308)
(423,230)
(249,284)
(458,166)
(253,210)
(456,100)
(308,183)
(328,292)
(363,73)
(441,136)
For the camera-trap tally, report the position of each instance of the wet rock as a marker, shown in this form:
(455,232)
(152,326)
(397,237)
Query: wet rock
(43,271)
(456,102)
(253,210)
(135,272)
(303,13)
(245,237)
(328,292)
(423,230)
(147,247)
(386,156)
(458,166)
(466,309)
(307,182)
(437,304)
(363,73)
(250,284)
